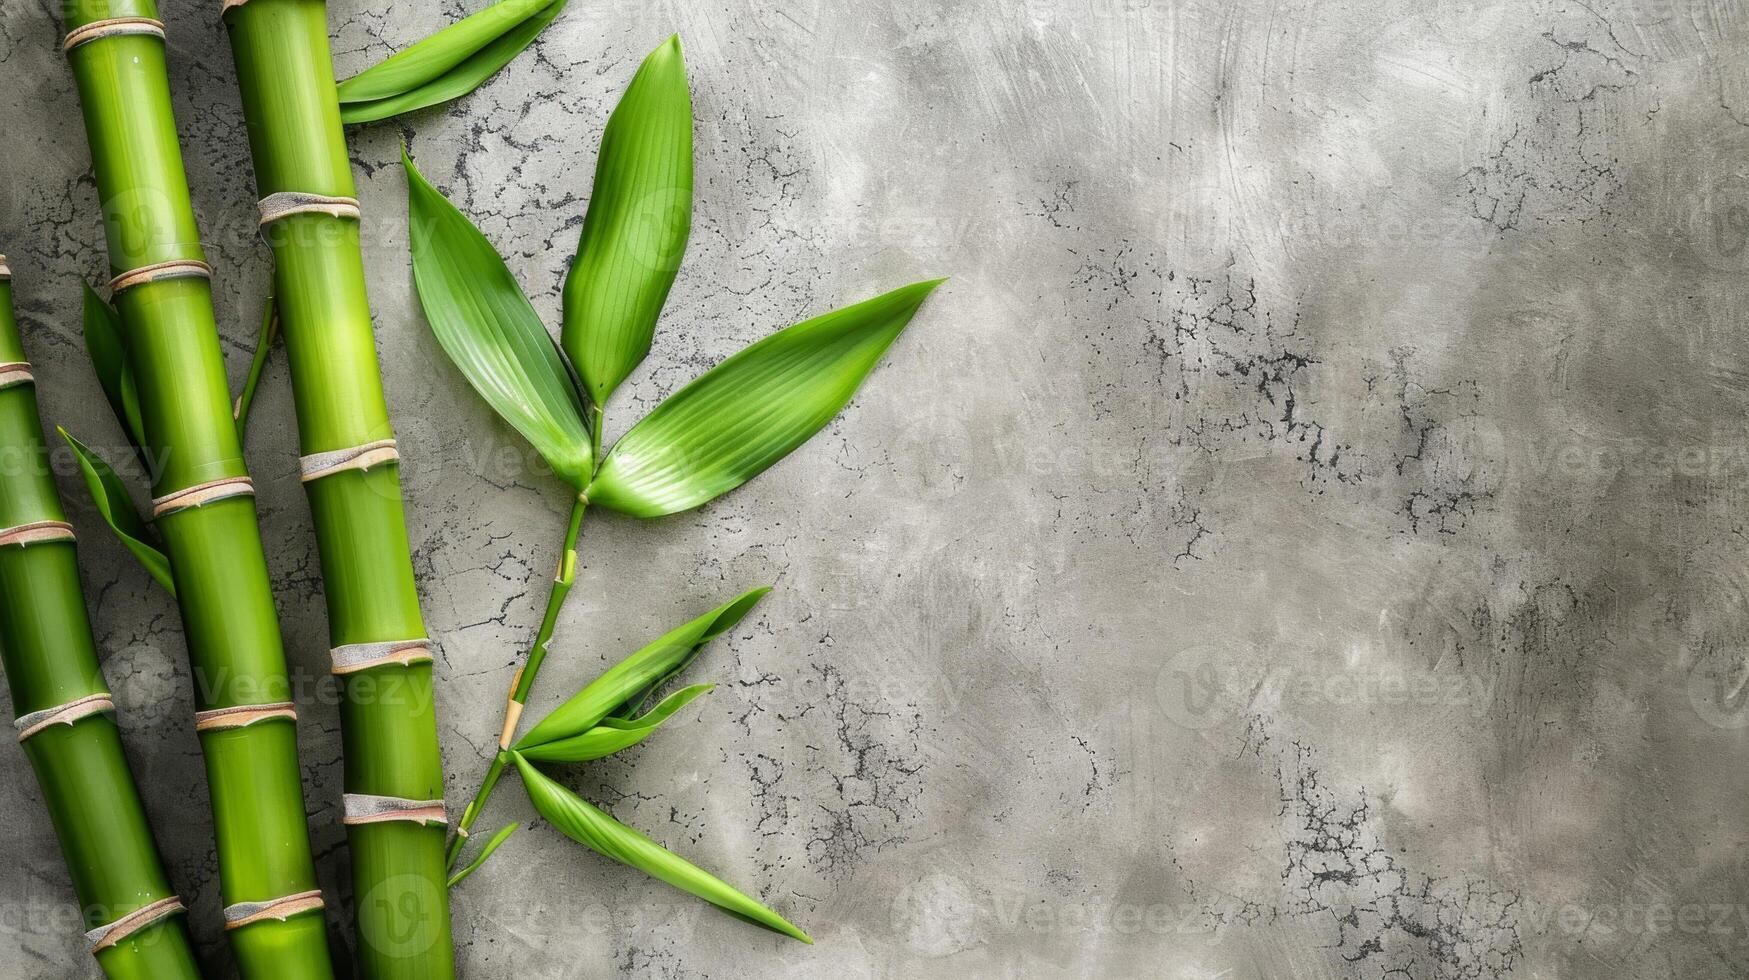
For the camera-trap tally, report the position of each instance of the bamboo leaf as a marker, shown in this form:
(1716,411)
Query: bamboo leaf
(581,821)
(496,842)
(635,232)
(751,410)
(103,342)
(613,734)
(486,325)
(636,674)
(448,64)
(112,500)
(263,346)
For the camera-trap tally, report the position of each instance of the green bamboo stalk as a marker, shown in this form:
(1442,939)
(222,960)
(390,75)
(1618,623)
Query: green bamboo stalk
(389,726)
(51,659)
(215,550)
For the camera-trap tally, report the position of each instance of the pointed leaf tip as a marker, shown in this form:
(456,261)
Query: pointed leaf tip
(751,410)
(595,829)
(105,346)
(614,734)
(448,64)
(628,683)
(116,508)
(490,331)
(635,231)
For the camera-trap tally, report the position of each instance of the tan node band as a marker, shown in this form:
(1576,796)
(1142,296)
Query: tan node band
(354,657)
(362,809)
(287,203)
(242,716)
(112,27)
(15,372)
(318,465)
(39,532)
(512,718)
(5,270)
(248,913)
(63,714)
(229,4)
(178,269)
(202,494)
(103,937)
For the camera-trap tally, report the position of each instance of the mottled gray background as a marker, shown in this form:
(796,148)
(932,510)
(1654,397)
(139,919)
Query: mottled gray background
(1305,539)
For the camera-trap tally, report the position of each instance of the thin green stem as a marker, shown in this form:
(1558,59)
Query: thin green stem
(263,344)
(524,680)
(476,805)
(562,582)
(523,683)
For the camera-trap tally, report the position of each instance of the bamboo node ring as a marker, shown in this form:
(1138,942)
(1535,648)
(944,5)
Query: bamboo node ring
(5,270)
(242,716)
(36,532)
(103,937)
(287,203)
(158,271)
(248,913)
(364,809)
(202,494)
(63,714)
(318,465)
(114,26)
(14,372)
(354,657)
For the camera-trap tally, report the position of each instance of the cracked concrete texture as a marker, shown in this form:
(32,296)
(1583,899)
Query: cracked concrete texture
(1303,540)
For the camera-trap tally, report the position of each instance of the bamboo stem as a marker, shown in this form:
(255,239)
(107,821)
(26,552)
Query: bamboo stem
(215,550)
(388,722)
(523,682)
(51,659)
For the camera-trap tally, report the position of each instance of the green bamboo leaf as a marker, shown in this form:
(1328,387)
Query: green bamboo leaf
(636,674)
(634,234)
(613,734)
(263,346)
(448,64)
(112,500)
(496,842)
(103,342)
(751,410)
(486,325)
(579,820)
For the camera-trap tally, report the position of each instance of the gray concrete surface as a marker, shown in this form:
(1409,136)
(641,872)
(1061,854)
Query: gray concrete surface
(1304,540)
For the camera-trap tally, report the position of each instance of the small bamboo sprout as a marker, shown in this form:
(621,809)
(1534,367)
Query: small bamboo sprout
(203,502)
(136,927)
